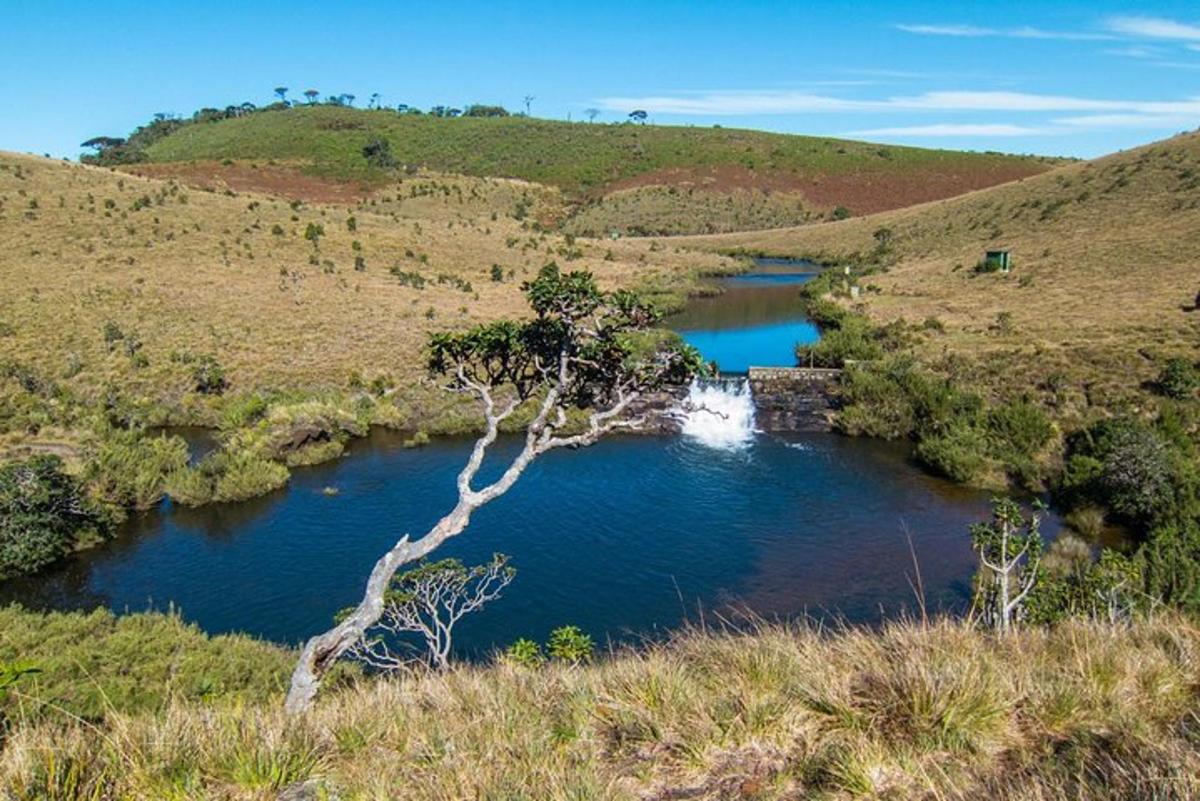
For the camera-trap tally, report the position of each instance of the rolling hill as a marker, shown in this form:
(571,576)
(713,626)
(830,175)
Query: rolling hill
(1104,269)
(613,177)
(115,283)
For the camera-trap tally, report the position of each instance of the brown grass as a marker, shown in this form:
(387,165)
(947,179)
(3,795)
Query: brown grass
(228,274)
(940,711)
(1104,256)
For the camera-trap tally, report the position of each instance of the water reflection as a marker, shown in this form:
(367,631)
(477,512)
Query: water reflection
(757,321)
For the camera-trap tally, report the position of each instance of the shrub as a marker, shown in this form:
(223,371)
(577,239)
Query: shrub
(1179,379)
(1132,468)
(570,644)
(524,653)
(1170,561)
(378,153)
(497,273)
(208,376)
(1017,434)
(227,475)
(129,468)
(840,213)
(958,454)
(313,233)
(44,514)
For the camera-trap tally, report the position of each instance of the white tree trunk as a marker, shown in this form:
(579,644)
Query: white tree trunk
(321,652)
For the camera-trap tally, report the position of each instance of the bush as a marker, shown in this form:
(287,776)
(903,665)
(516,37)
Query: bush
(1170,561)
(1132,468)
(44,515)
(227,476)
(1179,379)
(129,468)
(570,644)
(958,454)
(378,153)
(524,653)
(209,376)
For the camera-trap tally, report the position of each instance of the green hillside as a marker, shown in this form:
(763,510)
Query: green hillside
(773,179)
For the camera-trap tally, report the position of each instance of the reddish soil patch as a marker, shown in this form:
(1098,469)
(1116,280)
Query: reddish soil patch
(864,192)
(287,181)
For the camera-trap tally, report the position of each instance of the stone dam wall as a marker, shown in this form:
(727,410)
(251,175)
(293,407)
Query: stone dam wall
(794,398)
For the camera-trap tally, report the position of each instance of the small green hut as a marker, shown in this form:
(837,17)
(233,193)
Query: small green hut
(998,260)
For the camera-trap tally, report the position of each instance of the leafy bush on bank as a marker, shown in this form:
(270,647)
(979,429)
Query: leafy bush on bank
(44,515)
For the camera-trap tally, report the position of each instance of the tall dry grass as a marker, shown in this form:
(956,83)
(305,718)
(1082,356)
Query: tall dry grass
(938,711)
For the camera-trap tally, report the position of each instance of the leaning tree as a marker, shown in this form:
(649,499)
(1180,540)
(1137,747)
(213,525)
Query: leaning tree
(578,366)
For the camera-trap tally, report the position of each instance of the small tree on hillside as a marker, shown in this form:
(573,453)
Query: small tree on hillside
(592,114)
(584,350)
(429,600)
(638,115)
(1010,551)
(281,92)
(312,95)
(528,103)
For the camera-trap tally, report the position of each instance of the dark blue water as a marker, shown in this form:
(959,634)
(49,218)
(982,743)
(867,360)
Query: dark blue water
(756,322)
(629,537)
(610,538)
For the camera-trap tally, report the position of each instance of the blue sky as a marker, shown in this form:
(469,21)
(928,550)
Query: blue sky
(1071,78)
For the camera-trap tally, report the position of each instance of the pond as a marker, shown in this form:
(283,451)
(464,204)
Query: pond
(632,536)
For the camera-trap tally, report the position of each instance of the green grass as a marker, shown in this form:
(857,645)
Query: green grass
(575,157)
(906,710)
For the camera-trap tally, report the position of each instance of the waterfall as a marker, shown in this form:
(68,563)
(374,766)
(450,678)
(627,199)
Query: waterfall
(719,412)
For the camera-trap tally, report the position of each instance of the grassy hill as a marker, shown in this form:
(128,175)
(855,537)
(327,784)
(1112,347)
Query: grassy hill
(120,292)
(1105,268)
(1081,710)
(799,177)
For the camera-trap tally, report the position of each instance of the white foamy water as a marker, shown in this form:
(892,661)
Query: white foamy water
(719,413)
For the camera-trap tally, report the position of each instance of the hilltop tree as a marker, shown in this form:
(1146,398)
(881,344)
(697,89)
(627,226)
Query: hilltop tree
(528,103)
(585,351)
(592,114)
(348,99)
(638,115)
(373,102)
(102,143)
(281,91)
(312,95)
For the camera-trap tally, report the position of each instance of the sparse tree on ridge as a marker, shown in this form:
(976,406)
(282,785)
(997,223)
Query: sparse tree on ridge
(584,350)
(373,102)
(102,143)
(592,114)
(638,115)
(312,95)
(348,99)
(528,103)
(281,91)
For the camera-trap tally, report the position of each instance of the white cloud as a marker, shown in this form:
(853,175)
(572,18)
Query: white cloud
(1146,122)
(1154,28)
(749,102)
(1134,52)
(953,129)
(1023,32)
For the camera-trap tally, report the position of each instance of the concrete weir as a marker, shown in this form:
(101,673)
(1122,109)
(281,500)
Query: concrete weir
(794,398)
